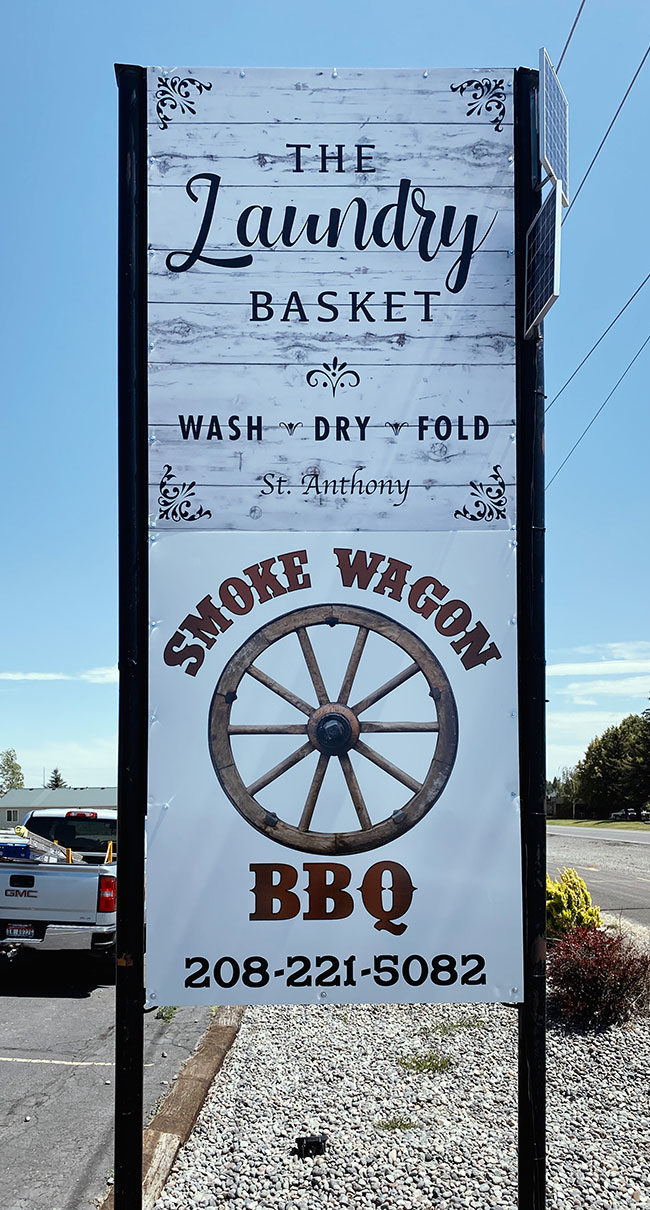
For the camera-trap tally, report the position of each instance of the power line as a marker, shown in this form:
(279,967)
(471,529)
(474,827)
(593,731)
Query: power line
(597,414)
(604,138)
(595,346)
(570,34)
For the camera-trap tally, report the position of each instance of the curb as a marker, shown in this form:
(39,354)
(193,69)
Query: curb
(172,1124)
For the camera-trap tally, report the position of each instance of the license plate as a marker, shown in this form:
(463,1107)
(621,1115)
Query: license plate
(20,932)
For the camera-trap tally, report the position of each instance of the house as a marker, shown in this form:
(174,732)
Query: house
(15,804)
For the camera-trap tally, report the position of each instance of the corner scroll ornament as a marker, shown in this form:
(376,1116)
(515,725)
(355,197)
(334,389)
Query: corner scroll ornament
(174,500)
(488,93)
(490,500)
(336,375)
(173,93)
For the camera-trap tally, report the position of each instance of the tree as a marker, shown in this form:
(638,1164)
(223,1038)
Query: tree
(615,771)
(56,780)
(11,774)
(636,765)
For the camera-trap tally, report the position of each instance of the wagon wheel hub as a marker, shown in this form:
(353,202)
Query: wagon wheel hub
(333,729)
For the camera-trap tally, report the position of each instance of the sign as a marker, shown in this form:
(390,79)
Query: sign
(333,775)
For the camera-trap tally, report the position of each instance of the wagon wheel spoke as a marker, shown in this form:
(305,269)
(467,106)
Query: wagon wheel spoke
(388,766)
(278,770)
(353,664)
(393,683)
(275,687)
(400,727)
(314,791)
(269,729)
(312,665)
(355,791)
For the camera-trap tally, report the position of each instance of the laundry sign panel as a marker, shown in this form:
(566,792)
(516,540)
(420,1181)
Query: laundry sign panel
(331,299)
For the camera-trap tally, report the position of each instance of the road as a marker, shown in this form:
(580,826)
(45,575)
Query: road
(57,1038)
(615,865)
(56,1062)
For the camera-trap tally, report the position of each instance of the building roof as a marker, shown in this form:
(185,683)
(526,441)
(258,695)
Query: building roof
(66,797)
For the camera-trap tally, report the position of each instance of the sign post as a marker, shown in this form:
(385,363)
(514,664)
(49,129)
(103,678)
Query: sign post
(133,636)
(532,721)
(345,638)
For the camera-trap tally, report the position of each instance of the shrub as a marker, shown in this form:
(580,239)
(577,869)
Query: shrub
(568,905)
(426,1062)
(598,977)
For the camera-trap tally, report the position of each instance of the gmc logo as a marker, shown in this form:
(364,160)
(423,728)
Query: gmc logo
(19,893)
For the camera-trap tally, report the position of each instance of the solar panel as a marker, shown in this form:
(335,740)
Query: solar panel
(554,125)
(543,260)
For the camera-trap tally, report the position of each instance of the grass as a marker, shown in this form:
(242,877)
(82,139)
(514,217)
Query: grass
(444,1028)
(427,1062)
(630,824)
(397,1124)
(166,1013)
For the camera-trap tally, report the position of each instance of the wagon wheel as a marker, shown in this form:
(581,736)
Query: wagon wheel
(333,728)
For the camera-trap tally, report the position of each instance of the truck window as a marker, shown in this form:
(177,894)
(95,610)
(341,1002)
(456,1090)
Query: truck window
(81,835)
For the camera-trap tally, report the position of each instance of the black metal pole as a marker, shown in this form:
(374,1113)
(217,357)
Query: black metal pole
(133,636)
(532,736)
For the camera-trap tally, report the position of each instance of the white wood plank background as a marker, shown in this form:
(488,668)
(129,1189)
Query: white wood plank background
(281,270)
(207,334)
(174,219)
(393,392)
(258,152)
(209,358)
(311,95)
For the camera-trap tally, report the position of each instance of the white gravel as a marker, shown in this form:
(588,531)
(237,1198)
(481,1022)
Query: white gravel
(403,1138)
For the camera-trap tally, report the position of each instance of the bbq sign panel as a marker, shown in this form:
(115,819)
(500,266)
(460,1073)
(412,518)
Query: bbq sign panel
(333,757)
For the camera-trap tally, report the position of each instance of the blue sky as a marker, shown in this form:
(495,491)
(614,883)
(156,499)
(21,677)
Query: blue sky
(58,682)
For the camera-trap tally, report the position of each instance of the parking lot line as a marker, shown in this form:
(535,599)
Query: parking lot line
(62,1062)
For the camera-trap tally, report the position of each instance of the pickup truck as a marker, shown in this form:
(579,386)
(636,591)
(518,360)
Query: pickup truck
(48,902)
(86,832)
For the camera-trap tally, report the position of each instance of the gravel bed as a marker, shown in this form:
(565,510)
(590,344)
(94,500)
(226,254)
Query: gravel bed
(402,1137)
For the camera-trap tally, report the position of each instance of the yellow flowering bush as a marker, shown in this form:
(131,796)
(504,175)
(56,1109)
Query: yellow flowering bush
(568,905)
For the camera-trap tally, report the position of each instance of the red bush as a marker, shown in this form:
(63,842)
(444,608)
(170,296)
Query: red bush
(598,977)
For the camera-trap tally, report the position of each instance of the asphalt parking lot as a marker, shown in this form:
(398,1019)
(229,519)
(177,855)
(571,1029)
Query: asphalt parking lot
(57,1038)
(56,1063)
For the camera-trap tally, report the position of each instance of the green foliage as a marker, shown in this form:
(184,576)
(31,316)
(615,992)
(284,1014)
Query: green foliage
(568,905)
(598,977)
(615,770)
(563,793)
(11,774)
(426,1062)
(56,781)
(444,1028)
(166,1013)
(397,1123)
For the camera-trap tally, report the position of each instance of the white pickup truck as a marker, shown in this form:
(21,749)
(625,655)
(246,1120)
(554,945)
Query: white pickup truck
(50,899)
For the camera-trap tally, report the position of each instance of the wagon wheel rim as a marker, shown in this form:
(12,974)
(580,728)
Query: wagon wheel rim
(333,729)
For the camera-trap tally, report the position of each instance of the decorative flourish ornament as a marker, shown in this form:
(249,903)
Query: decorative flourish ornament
(173,93)
(174,500)
(490,500)
(291,426)
(396,426)
(488,93)
(336,375)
